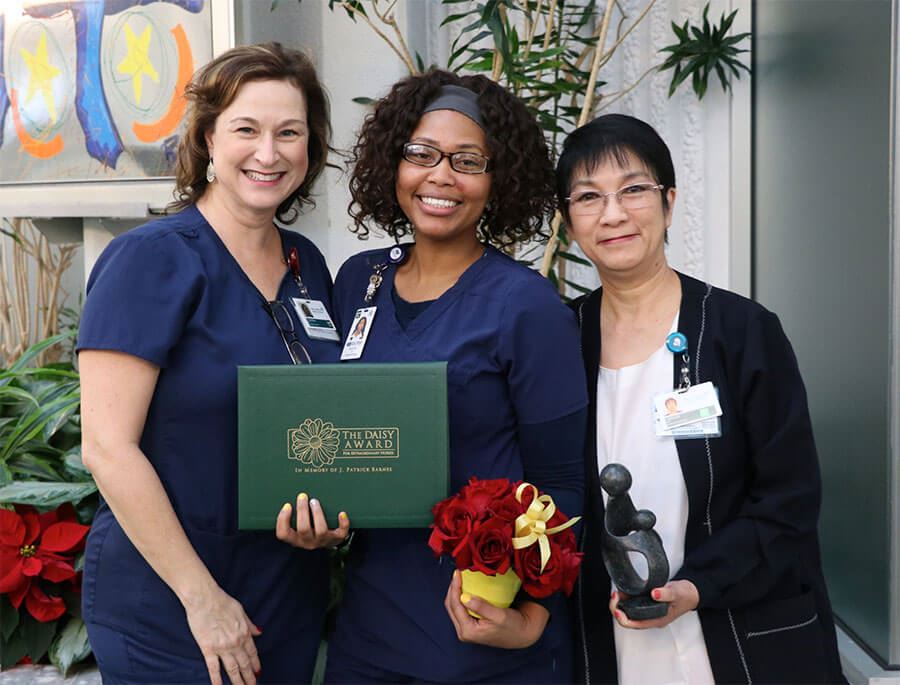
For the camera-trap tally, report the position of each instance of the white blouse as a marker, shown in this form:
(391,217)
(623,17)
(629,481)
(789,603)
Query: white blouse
(674,654)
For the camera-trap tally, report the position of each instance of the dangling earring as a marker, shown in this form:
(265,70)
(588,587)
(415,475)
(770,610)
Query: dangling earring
(210,172)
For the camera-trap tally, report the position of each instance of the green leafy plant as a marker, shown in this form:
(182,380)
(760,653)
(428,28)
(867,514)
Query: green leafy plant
(702,50)
(41,471)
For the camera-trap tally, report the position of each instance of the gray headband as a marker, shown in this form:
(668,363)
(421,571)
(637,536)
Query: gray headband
(458,99)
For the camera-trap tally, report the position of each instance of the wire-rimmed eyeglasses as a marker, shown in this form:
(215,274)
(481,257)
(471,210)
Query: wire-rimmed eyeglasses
(285,324)
(633,196)
(421,154)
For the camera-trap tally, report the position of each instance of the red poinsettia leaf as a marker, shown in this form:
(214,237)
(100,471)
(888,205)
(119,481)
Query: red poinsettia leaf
(66,512)
(32,522)
(57,571)
(12,528)
(18,594)
(12,578)
(43,607)
(31,566)
(63,536)
(47,519)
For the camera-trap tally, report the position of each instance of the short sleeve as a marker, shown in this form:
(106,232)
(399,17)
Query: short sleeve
(140,295)
(539,342)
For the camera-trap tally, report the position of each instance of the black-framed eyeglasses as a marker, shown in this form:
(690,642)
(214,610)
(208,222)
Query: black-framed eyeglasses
(421,154)
(633,196)
(285,324)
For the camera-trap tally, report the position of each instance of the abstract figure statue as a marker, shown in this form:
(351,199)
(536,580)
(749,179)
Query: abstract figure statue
(626,529)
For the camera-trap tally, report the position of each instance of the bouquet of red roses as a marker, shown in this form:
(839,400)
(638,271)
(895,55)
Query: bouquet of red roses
(509,532)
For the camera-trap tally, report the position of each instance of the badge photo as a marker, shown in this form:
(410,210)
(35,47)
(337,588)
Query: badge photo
(358,333)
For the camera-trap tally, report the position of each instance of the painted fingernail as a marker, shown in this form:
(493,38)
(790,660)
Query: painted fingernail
(613,595)
(302,495)
(286,506)
(465,598)
(655,594)
(343,516)
(257,627)
(314,503)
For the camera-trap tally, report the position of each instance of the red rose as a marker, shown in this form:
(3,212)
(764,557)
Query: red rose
(564,538)
(560,572)
(489,548)
(479,495)
(570,560)
(508,508)
(451,527)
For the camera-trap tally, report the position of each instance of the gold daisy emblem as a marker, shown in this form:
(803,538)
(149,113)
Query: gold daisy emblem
(315,442)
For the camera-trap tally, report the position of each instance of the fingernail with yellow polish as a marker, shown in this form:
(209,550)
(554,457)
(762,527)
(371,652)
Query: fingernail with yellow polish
(343,516)
(286,506)
(465,598)
(302,495)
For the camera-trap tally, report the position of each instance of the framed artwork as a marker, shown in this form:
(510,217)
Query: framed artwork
(92,90)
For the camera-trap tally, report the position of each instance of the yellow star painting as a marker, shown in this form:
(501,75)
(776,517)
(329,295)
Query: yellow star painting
(41,75)
(137,60)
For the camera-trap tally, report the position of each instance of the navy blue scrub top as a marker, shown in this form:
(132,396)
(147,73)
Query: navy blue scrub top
(513,359)
(170,292)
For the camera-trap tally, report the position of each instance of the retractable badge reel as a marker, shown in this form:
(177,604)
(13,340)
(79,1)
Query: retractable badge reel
(689,411)
(312,313)
(364,316)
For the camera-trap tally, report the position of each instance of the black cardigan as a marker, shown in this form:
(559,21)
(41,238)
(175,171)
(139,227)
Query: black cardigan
(751,545)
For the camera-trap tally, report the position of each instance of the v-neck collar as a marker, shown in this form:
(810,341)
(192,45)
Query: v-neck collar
(235,265)
(423,321)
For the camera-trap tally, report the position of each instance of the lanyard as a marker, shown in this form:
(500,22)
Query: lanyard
(294,264)
(677,344)
(396,256)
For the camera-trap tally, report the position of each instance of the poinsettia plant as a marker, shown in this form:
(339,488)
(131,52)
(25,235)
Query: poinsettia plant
(46,498)
(494,526)
(37,556)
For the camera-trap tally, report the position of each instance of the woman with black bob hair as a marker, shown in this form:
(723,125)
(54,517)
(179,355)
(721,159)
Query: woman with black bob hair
(460,164)
(737,495)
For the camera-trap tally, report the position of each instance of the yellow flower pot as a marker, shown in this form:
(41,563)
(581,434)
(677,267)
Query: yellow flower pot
(499,590)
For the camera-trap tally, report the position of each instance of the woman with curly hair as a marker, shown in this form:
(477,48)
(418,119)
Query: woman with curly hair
(461,165)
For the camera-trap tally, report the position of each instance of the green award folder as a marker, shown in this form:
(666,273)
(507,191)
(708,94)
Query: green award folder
(368,439)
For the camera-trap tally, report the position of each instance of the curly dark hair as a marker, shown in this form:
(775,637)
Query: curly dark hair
(214,87)
(522,190)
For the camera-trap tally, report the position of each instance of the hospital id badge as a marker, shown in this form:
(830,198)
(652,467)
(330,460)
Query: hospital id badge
(680,408)
(359,333)
(315,319)
(708,428)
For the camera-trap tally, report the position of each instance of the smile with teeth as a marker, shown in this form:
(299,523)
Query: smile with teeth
(259,176)
(438,202)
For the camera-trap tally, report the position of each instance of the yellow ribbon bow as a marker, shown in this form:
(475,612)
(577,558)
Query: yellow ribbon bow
(531,526)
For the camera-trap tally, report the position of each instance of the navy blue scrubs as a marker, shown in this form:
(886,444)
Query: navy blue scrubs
(170,292)
(513,360)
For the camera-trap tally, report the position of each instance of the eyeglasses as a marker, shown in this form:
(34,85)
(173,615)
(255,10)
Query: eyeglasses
(635,196)
(429,156)
(285,324)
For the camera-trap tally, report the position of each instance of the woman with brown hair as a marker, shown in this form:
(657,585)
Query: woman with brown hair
(172,591)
